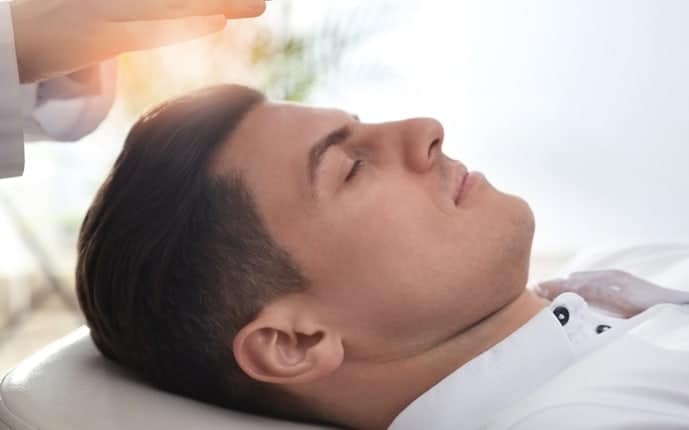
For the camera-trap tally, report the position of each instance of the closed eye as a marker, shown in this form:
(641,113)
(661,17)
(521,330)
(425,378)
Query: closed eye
(356,166)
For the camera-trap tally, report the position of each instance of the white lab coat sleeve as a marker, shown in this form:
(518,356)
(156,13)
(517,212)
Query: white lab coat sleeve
(65,109)
(61,109)
(11,133)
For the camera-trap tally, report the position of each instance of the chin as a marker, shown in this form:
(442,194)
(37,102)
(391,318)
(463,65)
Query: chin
(519,241)
(527,225)
(527,220)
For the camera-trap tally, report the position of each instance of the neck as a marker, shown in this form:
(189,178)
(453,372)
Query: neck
(377,393)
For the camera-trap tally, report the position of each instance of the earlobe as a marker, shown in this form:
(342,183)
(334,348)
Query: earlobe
(279,353)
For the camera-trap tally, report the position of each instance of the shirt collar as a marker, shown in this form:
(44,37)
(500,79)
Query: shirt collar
(510,370)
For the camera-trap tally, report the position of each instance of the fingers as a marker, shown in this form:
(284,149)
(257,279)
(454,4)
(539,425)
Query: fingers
(604,287)
(679,297)
(149,10)
(551,289)
(152,34)
(612,290)
(592,289)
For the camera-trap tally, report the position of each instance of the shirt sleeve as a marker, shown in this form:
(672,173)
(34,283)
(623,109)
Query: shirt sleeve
(62,109)
(67,108)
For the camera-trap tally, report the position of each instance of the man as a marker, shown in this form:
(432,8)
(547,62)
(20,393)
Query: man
(296,262)
(43,42)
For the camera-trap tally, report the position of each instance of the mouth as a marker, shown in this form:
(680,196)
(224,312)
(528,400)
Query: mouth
(464,182)
(459,180)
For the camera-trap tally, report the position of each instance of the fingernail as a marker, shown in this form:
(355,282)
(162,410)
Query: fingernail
(254,6)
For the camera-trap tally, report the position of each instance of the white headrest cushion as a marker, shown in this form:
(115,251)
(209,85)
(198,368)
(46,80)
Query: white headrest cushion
(70,386)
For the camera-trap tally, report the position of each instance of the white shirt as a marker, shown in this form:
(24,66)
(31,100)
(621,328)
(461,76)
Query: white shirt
(593,372)
(62,109)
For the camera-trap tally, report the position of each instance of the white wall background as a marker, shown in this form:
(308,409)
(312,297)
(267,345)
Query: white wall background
(581,107)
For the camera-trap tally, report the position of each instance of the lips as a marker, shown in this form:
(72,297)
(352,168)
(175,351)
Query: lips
(460,178)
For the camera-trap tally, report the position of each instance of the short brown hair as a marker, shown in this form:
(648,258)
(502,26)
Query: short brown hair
(173,261)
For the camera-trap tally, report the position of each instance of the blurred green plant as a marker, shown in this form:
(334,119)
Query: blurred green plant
(272,54)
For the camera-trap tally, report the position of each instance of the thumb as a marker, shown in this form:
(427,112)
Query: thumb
(550,289)
(143,35)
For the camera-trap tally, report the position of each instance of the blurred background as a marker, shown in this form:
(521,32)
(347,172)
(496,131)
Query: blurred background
(581,107)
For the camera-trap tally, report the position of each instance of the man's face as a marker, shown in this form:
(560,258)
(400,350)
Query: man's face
(369,213)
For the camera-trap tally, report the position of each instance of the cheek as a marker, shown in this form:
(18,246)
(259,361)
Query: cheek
(399,264)
(361,241)
(382,257)
(387,232)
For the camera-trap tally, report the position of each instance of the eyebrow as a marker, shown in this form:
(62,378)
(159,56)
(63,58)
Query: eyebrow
(322,145)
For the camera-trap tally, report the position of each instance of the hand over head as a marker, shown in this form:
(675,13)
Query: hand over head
(58,36)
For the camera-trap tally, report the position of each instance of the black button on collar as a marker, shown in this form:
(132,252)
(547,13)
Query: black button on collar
(602,328)
(562,314)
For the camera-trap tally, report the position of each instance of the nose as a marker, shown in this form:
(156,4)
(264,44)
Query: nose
(423,140)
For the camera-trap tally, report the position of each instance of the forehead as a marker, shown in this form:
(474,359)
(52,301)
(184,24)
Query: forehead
(269,149)
(276,133)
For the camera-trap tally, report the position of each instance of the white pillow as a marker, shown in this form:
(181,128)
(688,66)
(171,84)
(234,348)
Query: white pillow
(70,386)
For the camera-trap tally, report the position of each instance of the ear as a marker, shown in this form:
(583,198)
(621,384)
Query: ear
(285,345)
